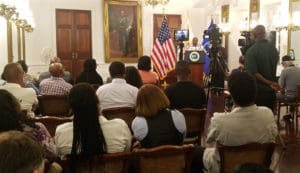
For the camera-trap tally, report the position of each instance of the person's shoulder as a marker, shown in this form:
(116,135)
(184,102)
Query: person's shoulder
(64,127)
(29,91)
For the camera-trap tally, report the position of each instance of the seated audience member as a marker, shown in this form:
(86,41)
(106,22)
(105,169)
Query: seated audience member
(13,74)
(20,153)
(89,133)
(155,124)
(288,80)
(117,93)
(27,77)
(184,93)
(133,77)
(55,85)
(30,81)
(12,118)
(67,75)
(241,67)
(144,67)
(251,168)
(246,123)
(89,74)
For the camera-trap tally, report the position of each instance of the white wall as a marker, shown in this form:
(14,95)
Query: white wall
(198,11)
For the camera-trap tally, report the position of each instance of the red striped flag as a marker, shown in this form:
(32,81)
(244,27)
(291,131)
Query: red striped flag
(163,53)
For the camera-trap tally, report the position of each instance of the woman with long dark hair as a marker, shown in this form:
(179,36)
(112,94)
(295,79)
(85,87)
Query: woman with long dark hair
(89,74)
(90,134)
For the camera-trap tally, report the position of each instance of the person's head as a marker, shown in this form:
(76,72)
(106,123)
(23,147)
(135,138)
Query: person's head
(195,41)
(117,69)
(150,100)
(89,65)
(55,60)
(56,69)
(286,61)
(242,87)
(23,65)
(182,70)
(144,63)
(10,112)
(13,73)
(20,153)
(133,77)
(258,33)
(88,138)
(251,168)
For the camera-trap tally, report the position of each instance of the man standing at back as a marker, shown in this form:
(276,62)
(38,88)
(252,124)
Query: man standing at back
(261,61)
(117,93)
(184,93)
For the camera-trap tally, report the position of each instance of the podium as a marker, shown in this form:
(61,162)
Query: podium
(196,59)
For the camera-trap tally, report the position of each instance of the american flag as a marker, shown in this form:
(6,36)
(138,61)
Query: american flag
(163,53)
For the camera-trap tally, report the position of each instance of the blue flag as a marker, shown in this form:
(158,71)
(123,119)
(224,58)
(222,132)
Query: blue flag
(206,45)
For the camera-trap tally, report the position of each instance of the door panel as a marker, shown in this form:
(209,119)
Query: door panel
(74,41)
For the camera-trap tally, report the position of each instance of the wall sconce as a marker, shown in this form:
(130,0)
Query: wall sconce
(11,15)
(7,11)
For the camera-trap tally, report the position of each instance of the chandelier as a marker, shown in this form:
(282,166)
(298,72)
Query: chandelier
(154,2)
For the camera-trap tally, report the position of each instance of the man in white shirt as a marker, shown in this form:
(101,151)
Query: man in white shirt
(117,93)
(246,123)
(13,74)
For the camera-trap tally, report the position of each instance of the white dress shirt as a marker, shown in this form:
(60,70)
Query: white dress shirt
(241,126)
(116,133)
(117,94)
(26,96)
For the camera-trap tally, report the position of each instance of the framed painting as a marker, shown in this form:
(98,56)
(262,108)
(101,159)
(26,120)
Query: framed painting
(122,31)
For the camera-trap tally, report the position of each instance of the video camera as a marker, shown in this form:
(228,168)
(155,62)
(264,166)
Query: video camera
(215,38)
(245,43)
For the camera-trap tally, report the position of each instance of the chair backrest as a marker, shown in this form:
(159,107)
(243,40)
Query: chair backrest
(104,163)
(52,122)
(232,156)
(195,121)
(54,105)
(165,158)
(298,92)
(125,113)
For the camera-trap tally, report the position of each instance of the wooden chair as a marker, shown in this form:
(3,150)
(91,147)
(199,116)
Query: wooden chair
(195,121)
(295,105)
(124,113)
(54,105)
(165,158)
(105,163)
(52,122)
(231,156)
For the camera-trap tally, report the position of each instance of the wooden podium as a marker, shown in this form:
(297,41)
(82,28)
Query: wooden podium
(197,73)
(196,60)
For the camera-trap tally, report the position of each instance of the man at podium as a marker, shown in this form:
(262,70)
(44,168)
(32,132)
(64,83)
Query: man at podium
(194,46)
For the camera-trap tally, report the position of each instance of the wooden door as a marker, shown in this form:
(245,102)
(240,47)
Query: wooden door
(174,22)
(73,38)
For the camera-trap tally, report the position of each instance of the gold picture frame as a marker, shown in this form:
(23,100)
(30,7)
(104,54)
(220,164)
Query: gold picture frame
(122,31)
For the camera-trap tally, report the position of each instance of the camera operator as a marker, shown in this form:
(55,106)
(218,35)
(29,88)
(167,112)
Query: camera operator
(218,70)
(261,61)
